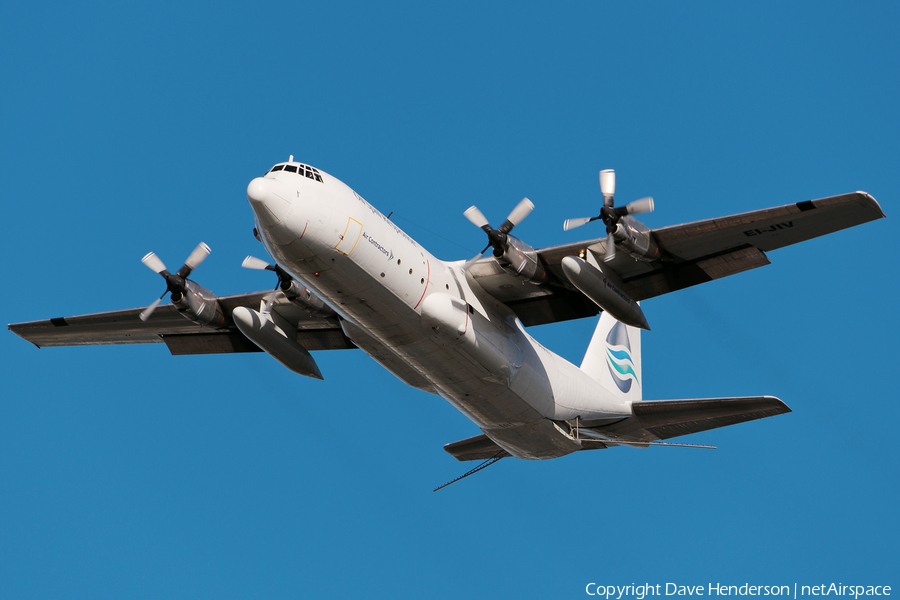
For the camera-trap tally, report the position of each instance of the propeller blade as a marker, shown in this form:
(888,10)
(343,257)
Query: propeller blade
(518,214)
(152,261)
(267,308)
(476,217)
(251,262)
(474,259)
(644,205)
(197,256)
(610,248)
(608,184)
(570,224)
(145,314)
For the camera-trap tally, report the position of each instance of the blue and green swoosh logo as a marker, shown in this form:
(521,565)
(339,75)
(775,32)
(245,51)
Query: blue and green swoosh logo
(619,359)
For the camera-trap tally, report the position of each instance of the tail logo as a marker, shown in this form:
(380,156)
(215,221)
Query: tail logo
(618,358)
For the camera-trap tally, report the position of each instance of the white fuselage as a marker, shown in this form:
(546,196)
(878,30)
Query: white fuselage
(424,319)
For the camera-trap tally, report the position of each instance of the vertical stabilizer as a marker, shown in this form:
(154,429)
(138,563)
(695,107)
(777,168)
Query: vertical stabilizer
(613,358)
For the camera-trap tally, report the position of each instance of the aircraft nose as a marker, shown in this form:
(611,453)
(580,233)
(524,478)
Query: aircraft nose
(270,207)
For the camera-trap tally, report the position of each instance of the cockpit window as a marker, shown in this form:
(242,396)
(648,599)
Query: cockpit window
(302,170)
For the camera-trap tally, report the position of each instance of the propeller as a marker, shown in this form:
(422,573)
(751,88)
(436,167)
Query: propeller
(497,238)
(609,214)
(174,283)
(284,278)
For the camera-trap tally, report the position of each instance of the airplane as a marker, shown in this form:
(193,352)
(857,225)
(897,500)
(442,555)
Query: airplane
(349,277)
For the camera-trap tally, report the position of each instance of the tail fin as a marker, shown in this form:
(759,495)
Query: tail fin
(613,358)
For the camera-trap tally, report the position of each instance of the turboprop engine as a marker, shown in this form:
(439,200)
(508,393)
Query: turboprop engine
(297,294)
(515,256)
(521,260)
(192,300)
(621,227)
(198,304)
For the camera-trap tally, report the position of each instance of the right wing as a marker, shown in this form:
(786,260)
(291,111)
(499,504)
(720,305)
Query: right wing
(693,253)
(167,325)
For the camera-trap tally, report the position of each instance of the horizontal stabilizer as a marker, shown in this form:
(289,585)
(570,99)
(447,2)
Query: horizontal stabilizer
(671,418)
(479,447)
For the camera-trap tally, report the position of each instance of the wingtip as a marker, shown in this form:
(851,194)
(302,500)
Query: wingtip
(872,198)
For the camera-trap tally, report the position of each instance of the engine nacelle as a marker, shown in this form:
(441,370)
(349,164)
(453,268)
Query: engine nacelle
(299,296)
(522,260)
(199,305)
(635,238)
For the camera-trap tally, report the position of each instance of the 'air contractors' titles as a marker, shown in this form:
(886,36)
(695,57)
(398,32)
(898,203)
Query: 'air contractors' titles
(640,592)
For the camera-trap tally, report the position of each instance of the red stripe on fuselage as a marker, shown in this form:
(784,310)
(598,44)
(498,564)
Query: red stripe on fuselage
(427,281)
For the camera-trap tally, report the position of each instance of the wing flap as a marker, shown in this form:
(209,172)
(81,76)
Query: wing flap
(226,342)
(678,276)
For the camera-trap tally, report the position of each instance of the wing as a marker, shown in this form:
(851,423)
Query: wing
(692,253)
(167,325)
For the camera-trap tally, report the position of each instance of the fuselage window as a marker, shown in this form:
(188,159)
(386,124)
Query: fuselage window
(290,168)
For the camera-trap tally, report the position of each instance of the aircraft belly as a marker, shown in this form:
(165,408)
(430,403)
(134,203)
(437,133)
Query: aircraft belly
(386,358)
(539,440)
(499,381)
(452,369)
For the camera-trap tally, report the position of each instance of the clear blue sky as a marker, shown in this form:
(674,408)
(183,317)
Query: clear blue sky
(130,473)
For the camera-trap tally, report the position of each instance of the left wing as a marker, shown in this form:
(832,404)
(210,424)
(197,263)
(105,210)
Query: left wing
(167,325)
(692,253)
